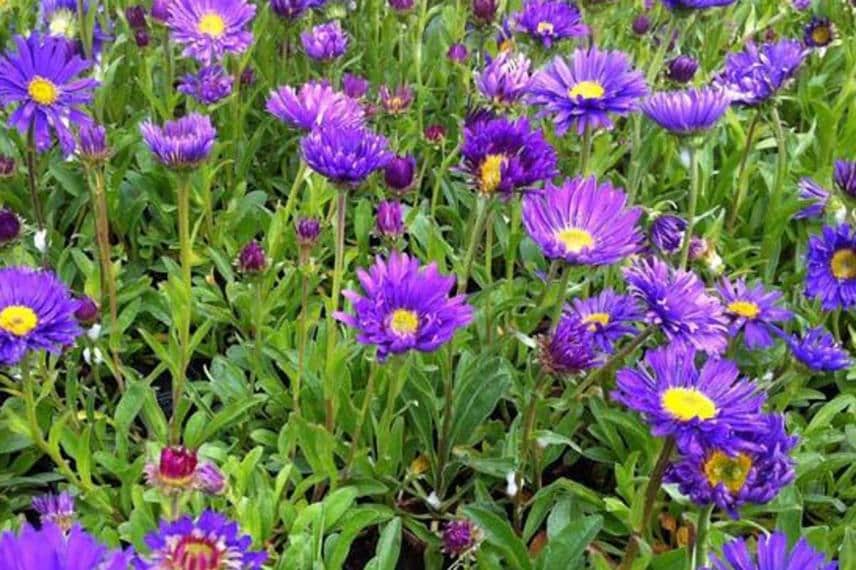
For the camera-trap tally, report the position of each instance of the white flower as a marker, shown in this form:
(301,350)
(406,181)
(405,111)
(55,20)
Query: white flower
(40,240)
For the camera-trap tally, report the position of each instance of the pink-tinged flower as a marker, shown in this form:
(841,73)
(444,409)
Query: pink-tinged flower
(315,103)
(504,80)
(55,509)
(396,101)
(178,470)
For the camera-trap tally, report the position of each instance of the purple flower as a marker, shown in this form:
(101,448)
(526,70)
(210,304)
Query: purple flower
(50,548)
(801,5)
(752,310)
(819,32)
(36,313)
(401,5)
(40,79)
(582,222)
(550,21)
(484,11)
(751,470)
(136,16)
(831,267)
(400,172)
(641,25)
(569,349)
(406,307)
(389,220)
(696,4)
(354,86)
(210,85)
(608,316)
(773,554)
(504,79)
(60,19)
(160,10)
(676,301)
(457,53)
(325,42)
(86,311)
(686,112)
(395,101)
(434,134)
(845,176)
(819,351)
(181,144)
(667,233)
(209,542)
(682,69)
(817,197)
(55,509)
(699,408)
(142,38)
(461,538)
(501,155)
(293,9)
(586,89)
(346,156)
(92,143)
(210,29)
(308,230)
(252,258)
(178,469)
(10,226)
(314,104)
(7,166)
(755,74)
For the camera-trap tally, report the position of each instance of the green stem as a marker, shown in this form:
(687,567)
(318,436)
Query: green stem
(742,173)
(186,259)
(294,191)
(32,180)
(585,151)
(85,36)
(301,331)
(700,546)
(488,269)
(338,269)
(616,359)
(475,236)
(529,417)
(513,245)
(444,443)
(773,228)
(693,203)
(560,296)
(361,421)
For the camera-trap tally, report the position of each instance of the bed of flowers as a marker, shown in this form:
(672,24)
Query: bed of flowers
(313,284)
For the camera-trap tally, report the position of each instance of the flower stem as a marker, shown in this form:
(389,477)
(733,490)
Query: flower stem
(616,359)
(585,151)
(700,546)
(361,421)
(529,417)
(301,350)
(475,236)
(443,443)
(560,296)
(186,259)
(338,269)
(294,191)
(742,173)
(773,228)
(693,204)
(31,179)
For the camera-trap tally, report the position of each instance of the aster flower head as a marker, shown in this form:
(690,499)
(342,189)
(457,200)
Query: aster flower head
(800,5)
(550,21)
(754,470)
(210,29)
(210,85)
(325,42)
(819,351)
(293,9)
(752,309)
(406,307)
(50,548)
(345,156)
(354,86)
(756,74)
(641,25)
(697,407)
(695,4)
(831,267)
(667,233)
(686,112)
(92,143)
(208,542)
(457,53)
(178,470)
(395,101)
(682,68)
(308,230)
(41,80)
(400,172)
(7,166)
(845,176)
(60,19)
(505,78)
(484,11)
(501,155)
(608,315)
(389,220)
(36,313)
(315,103)
(585,90)
(181,144)
(582,222)
(819,32)
(10,226)
(252,258)
(569,349)
(86,311)
(55,509)
(461,538)
(676,301)
(817,197)
(772,554)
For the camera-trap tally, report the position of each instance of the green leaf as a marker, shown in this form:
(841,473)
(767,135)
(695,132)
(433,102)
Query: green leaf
(388,547)
(499,534)
(479,385)
(566,548)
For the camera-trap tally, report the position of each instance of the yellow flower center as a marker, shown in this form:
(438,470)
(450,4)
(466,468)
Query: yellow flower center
(18,320)
(746,309)
(821,35)
(506,45)
(42,91)
(404,322)
(595,319)
(575,239)
(545,28)
(587,90)
(212,24)
(844,264)
(490,173)
(688,403)
(730,471)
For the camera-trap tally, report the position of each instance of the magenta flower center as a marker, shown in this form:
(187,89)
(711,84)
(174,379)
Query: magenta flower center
(42,91)
(212,24)
(177,466)
(196,553)
(18,320)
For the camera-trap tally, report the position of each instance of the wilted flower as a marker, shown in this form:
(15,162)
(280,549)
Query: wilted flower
(7,166)
(396,101)
(181,144)
(435,133)
(484,11)
(210,85)
(461,538)
(210,29)
(55,509)
(325,42)
(136,16)
(400,172)
(569,349)
(178,470)
(142,38)
(346,156)
(10,226)
(86,311)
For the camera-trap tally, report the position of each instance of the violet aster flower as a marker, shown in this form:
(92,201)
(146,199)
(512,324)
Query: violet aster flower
(325,42)
(36,313)
(582,222)
(801,5)
(315,103)
(698,407)
(819,351)
(308,230)
(504,79)
(550,21)
(755,74)
(569,349)
(501,155)
(484,11)
(87,311)
(586,89)
(346,156)
(696,4)
(667,233)
(752,309)
(92,143)
(210,29)
(400,172)
(641,25)
(39,78)
(211,541)
(395,101)
(686,112)
(676,301)
(461,538)
(772,554)
(210,85)
(251,258)
(819,32)
(178,469)
(845,176)
(389,220)
(10,226)
(831,267)
(406,307)
(608,316)
(457,53)
(817,197)
(354,86)
(181,144)
(49,548)
(55,509)
(293,9)
(682,69)
(60,19)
